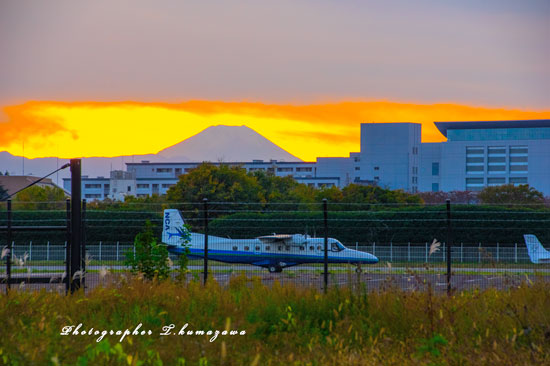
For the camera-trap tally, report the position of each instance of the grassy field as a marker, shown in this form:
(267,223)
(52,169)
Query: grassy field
(284,325)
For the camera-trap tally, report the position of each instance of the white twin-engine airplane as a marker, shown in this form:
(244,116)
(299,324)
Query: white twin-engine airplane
(273,252)
(537,253)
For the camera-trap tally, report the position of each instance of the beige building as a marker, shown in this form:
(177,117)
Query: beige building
(14,183)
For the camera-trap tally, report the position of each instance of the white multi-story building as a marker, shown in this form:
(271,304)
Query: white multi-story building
(475,155)
(481,154)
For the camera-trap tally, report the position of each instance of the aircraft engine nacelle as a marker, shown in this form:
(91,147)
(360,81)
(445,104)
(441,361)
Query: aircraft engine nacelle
(299,239)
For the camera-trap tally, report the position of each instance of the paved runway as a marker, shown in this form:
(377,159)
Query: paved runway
(302,268)
(372,281)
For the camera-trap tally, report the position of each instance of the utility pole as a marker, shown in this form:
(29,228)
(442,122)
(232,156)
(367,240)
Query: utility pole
(76,225)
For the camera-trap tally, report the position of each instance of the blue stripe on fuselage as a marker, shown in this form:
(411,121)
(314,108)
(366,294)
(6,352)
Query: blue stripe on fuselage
(234,256)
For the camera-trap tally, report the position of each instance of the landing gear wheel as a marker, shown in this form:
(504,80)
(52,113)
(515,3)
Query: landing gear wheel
(274,269)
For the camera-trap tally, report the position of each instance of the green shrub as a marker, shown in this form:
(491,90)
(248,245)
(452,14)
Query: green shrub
(150,257)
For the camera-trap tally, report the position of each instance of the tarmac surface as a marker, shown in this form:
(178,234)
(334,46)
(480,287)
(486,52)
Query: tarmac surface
(398,278)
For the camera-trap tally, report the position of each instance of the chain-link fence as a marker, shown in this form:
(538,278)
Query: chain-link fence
(375,246)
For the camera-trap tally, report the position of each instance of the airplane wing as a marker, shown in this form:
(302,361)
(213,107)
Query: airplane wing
(296,239)
(284,239)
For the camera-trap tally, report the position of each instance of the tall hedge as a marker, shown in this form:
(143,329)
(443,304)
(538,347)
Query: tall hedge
(470,225)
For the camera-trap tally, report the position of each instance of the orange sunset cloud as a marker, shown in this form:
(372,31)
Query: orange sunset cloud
(85,129)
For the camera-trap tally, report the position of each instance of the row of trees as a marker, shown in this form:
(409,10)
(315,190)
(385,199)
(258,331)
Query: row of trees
(234,184)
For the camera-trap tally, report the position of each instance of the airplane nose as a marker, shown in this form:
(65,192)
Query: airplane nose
(371,258)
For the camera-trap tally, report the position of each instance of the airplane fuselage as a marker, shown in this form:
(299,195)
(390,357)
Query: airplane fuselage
(276,255)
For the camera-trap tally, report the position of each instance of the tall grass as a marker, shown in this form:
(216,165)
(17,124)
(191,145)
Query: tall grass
(285,325)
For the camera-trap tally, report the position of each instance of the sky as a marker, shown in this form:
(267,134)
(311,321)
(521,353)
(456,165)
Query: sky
(105,78)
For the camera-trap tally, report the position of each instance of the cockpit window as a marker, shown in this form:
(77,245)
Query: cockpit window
(335,246)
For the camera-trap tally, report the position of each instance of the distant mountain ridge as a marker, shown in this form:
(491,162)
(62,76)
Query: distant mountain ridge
(216,143)
(227,143)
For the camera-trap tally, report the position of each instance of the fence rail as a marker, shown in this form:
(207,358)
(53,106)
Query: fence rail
(398,252)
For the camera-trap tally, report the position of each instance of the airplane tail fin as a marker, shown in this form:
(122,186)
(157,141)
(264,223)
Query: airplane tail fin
(173,230)
(535,248)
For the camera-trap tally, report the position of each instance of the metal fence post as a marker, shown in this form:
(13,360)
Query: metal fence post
(117,250)
(10,248)
(76,225)
(373,248)
(205,206)
(426,252)
(391,251)
(515,252)
(479,253)
(83,244)
(449,245)
(99,254)
(325,221)
(30,250)
(67,253)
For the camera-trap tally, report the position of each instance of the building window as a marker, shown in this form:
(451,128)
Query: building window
(267,247)
(246,248)
(92,185)
(357,168)
(435,169)
(475,159)
(376,168)
(496,159)
(234,248)
(474,184)
(187,170)
(376,178)
(285,169)
(164,170)
(435,187)
(518,180)
(129,189)
(495,181)
(92,196)
(143,186)
(356,159)
(518,159)
(178,171)
(167,185)
(257,248)
(308,169)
